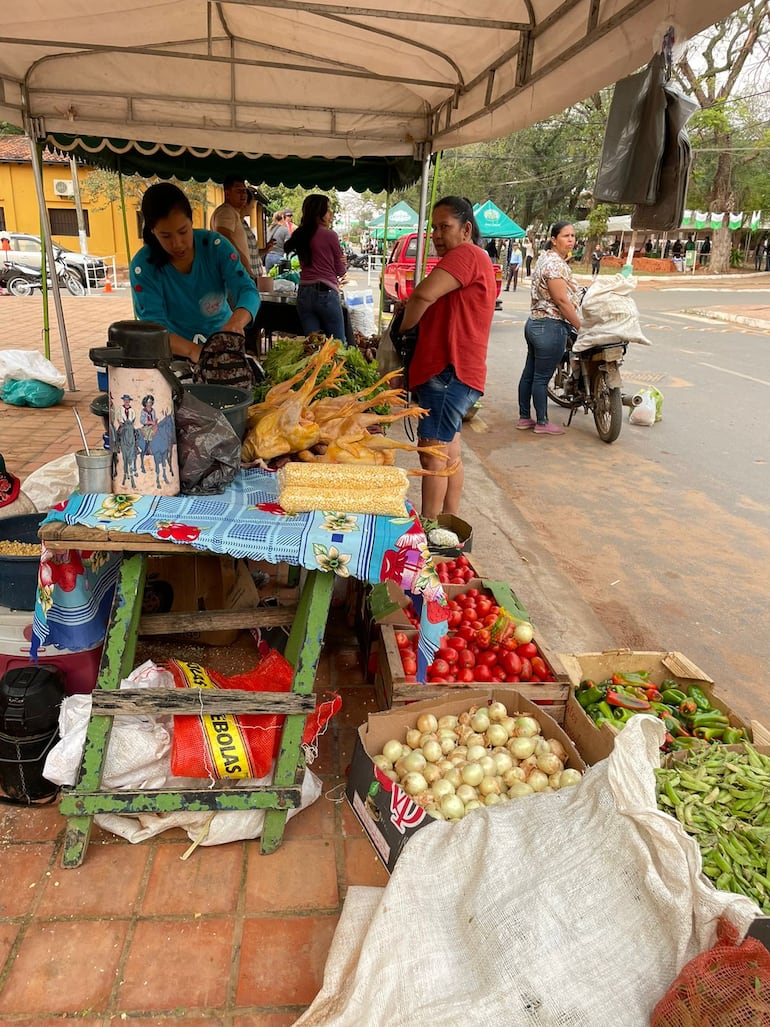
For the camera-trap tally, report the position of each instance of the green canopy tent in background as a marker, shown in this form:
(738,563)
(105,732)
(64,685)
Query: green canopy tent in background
(494,224)
(401,219)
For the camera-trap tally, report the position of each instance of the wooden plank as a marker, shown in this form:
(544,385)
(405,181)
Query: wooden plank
(267,797)
(216,620)
(58,535)
(198,702)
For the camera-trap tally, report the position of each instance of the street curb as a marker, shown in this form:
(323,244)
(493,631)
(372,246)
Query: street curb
(721,315)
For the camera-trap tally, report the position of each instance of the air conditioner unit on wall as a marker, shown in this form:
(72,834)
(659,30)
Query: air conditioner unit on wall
(63,187)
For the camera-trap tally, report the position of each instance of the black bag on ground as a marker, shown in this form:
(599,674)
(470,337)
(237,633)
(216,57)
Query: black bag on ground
(208,449)
(223,361)
(405,342)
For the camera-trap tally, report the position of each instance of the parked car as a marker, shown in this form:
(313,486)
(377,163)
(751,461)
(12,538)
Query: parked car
(25,249)
(398,273)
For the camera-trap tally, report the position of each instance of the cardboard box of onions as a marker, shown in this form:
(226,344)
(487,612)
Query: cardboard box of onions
(408,771)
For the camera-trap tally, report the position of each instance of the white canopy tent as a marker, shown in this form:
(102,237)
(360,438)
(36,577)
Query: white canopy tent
(317,78)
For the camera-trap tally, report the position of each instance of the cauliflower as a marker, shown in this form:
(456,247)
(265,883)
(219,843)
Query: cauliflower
(443,537)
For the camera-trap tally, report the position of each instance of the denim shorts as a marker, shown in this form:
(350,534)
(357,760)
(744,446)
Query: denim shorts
(448,401)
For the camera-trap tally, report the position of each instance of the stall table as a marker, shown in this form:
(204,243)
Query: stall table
(277,315)
(246,521)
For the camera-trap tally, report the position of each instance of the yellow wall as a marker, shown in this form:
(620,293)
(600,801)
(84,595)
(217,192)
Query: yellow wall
(106,238)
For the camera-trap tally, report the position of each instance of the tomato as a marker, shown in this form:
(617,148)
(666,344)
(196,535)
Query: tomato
(410,665)
(456,580)
(440,667)
(466,675)
(457,642)
(527,650)
(466,659)
(526,670)
(470,614)
(402,640)
(488,658)
(539,667)
(482,673)
(512,663)
(472,593)
(498,673)
(463,600)
(437,680)
(466,631)
(461,561)
(489,620)
(455,617)
(483,607)
(483,638)
(446,652)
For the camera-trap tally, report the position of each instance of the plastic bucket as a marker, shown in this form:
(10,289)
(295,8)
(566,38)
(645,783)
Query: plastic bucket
(233,403)
(18,574)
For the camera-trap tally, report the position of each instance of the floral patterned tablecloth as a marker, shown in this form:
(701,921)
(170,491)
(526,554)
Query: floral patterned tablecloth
(245,521)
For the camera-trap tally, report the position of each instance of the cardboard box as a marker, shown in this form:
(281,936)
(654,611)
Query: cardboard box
(387,814)
(392,689)
(461,528)
(184,583)
(595,743)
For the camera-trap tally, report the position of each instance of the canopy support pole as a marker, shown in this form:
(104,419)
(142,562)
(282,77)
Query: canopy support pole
(37,169)
(421,219)
(123,213)
(384,259)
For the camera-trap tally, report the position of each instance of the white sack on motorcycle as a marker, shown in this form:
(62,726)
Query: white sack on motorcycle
(609,314)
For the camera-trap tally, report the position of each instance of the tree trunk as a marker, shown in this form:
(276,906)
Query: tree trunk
(721,245)
(722,199)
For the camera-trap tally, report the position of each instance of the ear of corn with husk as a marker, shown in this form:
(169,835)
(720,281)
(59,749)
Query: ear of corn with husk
(353,488)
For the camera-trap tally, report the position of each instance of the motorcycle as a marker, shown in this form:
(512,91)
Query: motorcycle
(590,379)
(20,280)
(358,260)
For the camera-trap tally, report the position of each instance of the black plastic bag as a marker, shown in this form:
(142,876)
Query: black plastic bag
(634,140)
(208,448)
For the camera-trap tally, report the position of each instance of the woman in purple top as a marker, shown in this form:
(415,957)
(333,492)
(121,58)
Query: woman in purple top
(322,265)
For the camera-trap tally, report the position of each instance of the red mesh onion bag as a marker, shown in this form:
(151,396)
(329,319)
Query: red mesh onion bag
(224,746)
(726,986)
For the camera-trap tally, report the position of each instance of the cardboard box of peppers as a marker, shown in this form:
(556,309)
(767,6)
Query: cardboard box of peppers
(690,716)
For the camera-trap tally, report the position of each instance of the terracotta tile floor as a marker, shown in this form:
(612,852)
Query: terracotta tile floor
(228,937)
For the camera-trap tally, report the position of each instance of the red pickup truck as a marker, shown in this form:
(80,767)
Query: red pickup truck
(398,273)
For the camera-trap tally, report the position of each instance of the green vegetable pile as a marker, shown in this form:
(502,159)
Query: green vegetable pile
(690,718)
(722,798)
(289,356)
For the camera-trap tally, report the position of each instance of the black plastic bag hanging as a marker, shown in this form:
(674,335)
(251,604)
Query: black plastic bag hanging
(208,449)
(634,140)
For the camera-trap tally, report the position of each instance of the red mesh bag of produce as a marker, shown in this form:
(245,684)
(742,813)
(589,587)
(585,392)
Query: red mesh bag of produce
(226,746)
(726,986)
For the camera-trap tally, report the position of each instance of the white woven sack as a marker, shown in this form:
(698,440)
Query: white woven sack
(571,909)
(608,314)
(23,365)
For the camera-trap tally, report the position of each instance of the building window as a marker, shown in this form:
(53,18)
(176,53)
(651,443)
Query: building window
(65,222)
(2,219)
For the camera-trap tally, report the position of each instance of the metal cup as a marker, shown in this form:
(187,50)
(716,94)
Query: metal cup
(94,470)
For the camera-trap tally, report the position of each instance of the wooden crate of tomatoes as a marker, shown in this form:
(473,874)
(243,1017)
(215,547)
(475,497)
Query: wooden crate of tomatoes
(484,646)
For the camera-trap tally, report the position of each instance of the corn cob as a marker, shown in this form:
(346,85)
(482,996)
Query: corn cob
(348,488)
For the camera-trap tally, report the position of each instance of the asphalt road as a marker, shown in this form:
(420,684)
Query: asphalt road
(662,536)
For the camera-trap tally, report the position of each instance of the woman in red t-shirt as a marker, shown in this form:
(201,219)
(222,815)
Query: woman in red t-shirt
(454,306)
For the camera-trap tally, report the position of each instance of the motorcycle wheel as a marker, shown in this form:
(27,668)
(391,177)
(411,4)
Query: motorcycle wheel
(20,287)
(608,409)
(556,386)
(74,286)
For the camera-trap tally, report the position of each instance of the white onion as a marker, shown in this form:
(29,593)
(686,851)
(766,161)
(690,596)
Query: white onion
(414,762)
(487,764)
(554,781)
(472,774)
(473,804)
(569,777)
(519,788)
(543,747)
(489,786)
(454,776)
(382,762)
(509,723)
(462,750)
(426,722)
(527,727)
(444,765)
(392,750)
(480,721)
(549,764)
(496,735)
(466,793)
(496,711)
(413,738)
(528,765)
(446,732)
(441,788)
(558,749)
(432,751)
(414,783)
(391,774)
(464,718)
(510,777)
(436,814)
(521,748)
(452,807)
(537,781)
(447,721)
(503,762)
(474,738)
(524,632)
(447,745)
(428,736)
(457,759)
(431,773)
(492,799)
(476,753)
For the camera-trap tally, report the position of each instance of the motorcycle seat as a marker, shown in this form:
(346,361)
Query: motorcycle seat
(596,351)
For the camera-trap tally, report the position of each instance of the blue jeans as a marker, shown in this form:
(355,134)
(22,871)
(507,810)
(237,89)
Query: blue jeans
(320,310)
(448,400)
(546,340)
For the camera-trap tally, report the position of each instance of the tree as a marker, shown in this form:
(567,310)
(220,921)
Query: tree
(713,67)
